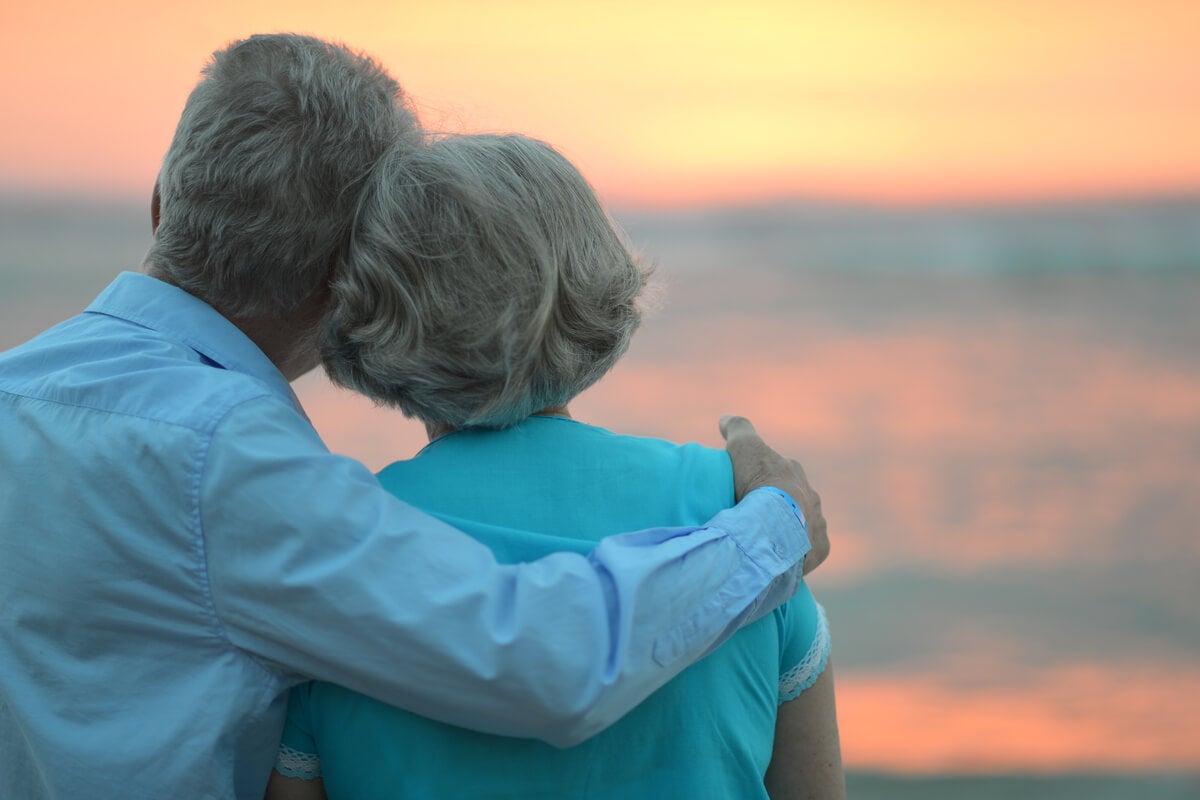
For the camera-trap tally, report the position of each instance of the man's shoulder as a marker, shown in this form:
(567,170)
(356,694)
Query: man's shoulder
(104,366)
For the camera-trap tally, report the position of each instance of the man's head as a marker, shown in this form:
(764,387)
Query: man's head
(257,190)
(483,283)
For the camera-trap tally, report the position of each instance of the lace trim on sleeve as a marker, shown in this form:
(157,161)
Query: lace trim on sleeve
(805,674)
(297,764)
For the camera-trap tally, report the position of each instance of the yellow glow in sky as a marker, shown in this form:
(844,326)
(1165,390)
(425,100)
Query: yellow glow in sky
(669,102)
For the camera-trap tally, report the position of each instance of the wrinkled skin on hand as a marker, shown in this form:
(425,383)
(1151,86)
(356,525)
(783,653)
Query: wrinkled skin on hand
(755,464)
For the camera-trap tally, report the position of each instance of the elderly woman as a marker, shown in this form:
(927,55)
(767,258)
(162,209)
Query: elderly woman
(484,290)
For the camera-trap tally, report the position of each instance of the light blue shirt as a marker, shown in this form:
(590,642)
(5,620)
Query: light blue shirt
(177,548)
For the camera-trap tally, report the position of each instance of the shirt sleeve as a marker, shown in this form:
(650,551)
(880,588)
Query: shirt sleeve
(316,570)
(298,756)
(805,644)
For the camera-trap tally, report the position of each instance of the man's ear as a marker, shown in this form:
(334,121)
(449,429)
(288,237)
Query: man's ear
(155,203)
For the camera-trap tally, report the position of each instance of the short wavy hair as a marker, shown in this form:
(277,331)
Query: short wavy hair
(259,185)
(483,283)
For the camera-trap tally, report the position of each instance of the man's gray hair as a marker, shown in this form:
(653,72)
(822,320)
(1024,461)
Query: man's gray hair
(259,185)
(483,283)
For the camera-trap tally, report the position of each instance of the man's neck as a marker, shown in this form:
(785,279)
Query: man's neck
(294,350)
(292,343)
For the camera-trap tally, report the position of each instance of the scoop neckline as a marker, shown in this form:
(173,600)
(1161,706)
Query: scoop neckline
(527,420)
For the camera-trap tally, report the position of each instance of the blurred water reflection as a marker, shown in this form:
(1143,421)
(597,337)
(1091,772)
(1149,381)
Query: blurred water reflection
(1008,450)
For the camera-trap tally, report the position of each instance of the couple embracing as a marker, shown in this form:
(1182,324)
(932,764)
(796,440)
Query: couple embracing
(198,598)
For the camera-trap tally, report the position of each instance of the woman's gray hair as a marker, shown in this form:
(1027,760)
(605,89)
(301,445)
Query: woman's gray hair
(483,283)
(259,185)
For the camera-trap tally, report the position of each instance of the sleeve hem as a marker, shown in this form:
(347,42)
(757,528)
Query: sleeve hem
(799,512)
(770,541)
(805,674)
(293,763)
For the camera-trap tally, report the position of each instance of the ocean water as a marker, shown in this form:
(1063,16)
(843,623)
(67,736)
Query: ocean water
(1000,407)
(872,786)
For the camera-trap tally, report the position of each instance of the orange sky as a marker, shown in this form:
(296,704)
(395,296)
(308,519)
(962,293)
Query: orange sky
(668,102)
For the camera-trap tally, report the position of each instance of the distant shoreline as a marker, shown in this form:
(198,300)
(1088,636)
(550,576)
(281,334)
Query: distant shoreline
(1144,234)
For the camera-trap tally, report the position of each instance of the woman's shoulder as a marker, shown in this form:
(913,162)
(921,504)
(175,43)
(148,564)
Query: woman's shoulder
(630,481)
(654,448)
(545,439)
(689,467)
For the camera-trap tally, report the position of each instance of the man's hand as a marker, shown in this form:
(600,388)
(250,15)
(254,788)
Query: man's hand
(755,464)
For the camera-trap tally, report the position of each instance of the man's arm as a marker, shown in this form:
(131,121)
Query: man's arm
(315,569)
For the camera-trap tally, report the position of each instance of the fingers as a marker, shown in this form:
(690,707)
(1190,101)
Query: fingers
(733,427)
(818,539)
(755,464)
(798,468)
(743,442)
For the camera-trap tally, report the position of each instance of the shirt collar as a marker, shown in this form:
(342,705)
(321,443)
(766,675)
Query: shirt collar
(159,306)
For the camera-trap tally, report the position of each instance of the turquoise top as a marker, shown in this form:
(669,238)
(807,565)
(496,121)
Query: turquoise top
(706,734)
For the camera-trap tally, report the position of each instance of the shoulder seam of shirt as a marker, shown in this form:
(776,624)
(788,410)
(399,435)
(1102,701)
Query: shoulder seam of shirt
(208,427)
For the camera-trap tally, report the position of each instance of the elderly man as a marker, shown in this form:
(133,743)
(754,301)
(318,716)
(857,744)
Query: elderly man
(177,547)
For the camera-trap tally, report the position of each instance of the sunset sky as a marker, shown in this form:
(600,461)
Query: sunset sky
(668,102)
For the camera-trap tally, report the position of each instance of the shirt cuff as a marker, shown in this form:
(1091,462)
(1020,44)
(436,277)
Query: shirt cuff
(794,505)
(762,526)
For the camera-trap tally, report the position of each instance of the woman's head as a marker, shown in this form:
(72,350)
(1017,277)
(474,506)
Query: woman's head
(483,283)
